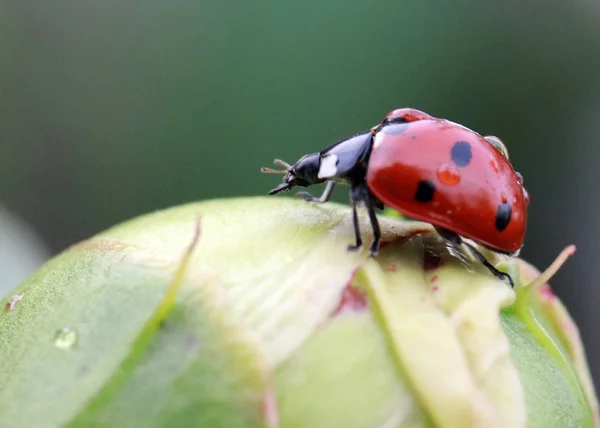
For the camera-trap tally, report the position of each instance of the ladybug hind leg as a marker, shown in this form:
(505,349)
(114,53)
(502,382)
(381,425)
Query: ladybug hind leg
(457,241)
(499,274)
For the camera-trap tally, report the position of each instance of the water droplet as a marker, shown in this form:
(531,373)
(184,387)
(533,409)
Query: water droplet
(519,178)
(526,196)
(503,196)
(448,174)
(65,338)
(12,302)
(494,165)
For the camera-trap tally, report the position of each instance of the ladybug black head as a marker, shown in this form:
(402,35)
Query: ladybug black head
(303,173)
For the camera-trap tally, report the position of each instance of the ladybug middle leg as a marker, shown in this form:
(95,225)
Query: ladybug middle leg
(360,194)
(457,241)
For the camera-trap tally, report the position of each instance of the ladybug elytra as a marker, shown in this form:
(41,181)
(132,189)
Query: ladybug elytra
(428,169)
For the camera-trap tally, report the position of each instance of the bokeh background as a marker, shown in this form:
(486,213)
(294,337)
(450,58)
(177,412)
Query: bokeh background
(112,109)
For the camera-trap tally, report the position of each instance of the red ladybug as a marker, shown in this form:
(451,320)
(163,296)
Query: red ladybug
(429,169)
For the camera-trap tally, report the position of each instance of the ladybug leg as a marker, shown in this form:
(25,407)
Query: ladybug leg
(483,260)
(371,204)
(457,241)
(356,197)
(358,244)
(320,200)
(359,193)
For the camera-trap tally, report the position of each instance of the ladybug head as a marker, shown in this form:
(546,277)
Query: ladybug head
(303,173)
(405,115)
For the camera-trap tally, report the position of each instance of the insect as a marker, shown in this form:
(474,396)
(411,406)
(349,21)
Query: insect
(429,169)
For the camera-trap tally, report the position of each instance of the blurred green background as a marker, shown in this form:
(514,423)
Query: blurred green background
(112,109)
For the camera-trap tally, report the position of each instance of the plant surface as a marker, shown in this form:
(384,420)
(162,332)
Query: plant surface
(250,312)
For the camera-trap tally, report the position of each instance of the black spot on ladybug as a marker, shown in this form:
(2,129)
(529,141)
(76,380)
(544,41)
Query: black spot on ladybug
(503,216)
(425,191)
(461,153)
(395,128)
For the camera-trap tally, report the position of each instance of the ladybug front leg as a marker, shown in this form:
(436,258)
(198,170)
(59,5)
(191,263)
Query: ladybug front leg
(320,200)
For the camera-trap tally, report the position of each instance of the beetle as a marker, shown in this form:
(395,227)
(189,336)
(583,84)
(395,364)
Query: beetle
(429,169)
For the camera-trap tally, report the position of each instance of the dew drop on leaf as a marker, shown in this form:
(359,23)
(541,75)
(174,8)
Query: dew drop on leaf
(65,338)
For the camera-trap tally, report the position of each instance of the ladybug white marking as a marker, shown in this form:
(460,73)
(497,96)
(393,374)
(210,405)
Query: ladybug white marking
(328,166)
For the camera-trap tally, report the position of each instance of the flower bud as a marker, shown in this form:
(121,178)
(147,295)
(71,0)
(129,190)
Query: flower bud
(251,312)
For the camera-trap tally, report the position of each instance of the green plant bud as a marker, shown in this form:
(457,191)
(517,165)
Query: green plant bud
(250,312)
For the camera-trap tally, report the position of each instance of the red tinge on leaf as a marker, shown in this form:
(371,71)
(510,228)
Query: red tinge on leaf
(391,268)
(405,238)
(353,299)
(546,293)
(270,409)
(11,303)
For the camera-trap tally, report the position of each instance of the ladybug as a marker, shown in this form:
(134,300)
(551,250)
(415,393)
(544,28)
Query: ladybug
(429,169)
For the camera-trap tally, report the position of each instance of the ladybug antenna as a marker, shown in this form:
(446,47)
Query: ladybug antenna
(282,163)
(273,171)
(277,162)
